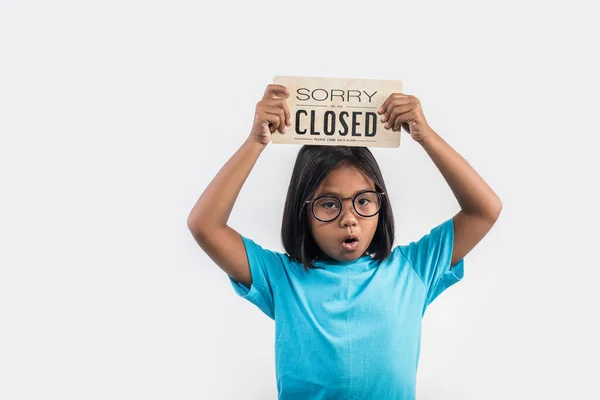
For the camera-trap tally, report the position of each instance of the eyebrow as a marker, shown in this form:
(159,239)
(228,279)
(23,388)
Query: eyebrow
(333,192)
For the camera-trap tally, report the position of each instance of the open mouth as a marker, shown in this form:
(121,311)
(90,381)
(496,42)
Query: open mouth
(350,243)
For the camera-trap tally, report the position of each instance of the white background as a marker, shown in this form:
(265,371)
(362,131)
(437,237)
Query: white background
(115,115)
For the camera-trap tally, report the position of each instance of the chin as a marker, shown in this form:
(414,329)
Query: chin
(348,256)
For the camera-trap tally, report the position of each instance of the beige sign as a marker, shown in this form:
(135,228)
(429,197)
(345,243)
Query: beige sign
(332,111)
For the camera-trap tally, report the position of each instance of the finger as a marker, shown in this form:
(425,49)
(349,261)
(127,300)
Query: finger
(395,112)
(398,100)
(282,120)
(384,105)
(387,101)
(283,104)
(395,103)
(277,111)
(403,120)
(273,121)
(288,114)
(275,90)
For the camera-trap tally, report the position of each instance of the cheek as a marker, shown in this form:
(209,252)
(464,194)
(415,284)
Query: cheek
(314,230)
(373,226)
(320,233)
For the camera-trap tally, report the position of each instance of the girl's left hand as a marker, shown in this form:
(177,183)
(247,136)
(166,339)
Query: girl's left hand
(402,110)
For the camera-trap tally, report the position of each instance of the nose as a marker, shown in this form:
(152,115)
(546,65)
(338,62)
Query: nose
(347,215)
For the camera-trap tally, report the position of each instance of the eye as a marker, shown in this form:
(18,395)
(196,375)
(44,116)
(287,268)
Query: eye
(363,202)
(329,205)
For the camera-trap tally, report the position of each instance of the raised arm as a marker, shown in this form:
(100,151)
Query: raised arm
(480,205)
(208,218)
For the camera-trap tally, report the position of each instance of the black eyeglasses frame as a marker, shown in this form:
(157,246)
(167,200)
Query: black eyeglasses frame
(379,196)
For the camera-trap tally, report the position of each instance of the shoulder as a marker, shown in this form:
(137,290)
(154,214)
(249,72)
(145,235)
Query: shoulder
(401,254)
(436,233)
(271,260)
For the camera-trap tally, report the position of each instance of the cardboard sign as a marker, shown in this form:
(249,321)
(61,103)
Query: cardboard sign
(332,111)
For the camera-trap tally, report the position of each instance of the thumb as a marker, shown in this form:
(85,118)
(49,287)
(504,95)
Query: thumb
(409,127)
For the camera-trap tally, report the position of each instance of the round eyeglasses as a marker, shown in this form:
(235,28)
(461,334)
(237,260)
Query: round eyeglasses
(328,207)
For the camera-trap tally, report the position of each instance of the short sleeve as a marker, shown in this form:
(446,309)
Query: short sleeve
(265,267)
(431,256)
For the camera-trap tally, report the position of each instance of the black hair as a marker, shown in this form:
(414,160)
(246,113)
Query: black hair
(312,166)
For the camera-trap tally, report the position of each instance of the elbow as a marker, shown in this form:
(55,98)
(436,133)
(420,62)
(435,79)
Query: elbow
(495,212)
(491,212)
(190,222)
(499,206)
(195,225)
(201,227)
(198,232)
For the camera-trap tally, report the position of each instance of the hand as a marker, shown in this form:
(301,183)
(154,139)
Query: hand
(272,113)
(402,110)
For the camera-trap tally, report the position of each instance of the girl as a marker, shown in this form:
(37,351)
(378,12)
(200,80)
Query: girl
(347,304)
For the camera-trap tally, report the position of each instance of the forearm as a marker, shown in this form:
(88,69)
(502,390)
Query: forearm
(473,194)
(214,206)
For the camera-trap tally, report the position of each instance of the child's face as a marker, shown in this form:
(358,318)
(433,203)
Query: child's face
(344,181)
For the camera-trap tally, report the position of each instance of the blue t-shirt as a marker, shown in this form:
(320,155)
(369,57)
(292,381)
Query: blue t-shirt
(351,330)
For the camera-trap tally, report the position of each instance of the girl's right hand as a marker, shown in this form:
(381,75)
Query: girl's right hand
(272,114)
